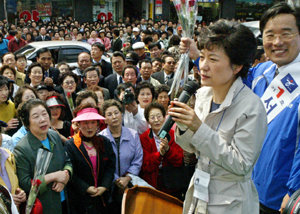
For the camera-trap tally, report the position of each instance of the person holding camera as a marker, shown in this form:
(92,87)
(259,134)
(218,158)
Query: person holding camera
(133,117)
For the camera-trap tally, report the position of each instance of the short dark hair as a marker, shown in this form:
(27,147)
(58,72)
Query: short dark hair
(130,66)
(116,54)
(235,39)
(99,45)
(148,39)
(110,103)
(157,59)
(34,64)
(175,40)
(154,44)
(161,88)
(154,105)
(277,9)
(166,56)
(24,110)
(121,87)
(42,50)
(91,68)
(20,92)
(116,32)
(142,85)
(85,94)
(144,61)
(2,69)
(64,75)
(20,56)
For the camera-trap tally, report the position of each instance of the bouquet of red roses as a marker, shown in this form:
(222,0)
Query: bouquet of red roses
(41,165)
(187,14)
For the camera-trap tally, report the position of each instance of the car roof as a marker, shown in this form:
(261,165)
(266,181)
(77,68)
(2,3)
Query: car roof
(44,44)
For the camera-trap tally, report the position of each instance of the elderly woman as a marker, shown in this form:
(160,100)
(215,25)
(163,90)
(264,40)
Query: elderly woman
(127,148)
(36,74)
(35,116)
(68,88)
(158,153)
(227,126)
(57,109)
(93,162)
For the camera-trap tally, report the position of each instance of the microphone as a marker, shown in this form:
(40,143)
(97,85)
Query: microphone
(188,90)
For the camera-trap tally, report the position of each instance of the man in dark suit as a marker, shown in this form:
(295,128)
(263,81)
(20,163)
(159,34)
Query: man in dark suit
(43,36)
(168,69)
(96,53)
(44,57)
(112,81)
(116,44)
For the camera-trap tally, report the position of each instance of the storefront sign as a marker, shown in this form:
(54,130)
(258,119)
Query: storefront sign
(27,16)
(104,16)
(45,9)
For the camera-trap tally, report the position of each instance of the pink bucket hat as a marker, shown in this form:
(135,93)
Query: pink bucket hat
(88,114)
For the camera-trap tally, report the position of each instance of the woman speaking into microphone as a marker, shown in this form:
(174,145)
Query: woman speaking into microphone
(227,126)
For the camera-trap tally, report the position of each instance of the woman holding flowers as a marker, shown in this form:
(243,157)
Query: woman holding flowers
(35,116)
(93,162)
(227,127)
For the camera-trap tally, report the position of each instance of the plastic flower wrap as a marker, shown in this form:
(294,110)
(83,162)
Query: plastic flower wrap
(187,14)
(70,102)
(41,166)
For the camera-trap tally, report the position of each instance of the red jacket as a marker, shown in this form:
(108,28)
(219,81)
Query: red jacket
(13,45)
(152,157)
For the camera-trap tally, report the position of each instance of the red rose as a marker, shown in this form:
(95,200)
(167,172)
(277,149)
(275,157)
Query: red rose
(69,94)
(178,6)
(191,3)
(182,1)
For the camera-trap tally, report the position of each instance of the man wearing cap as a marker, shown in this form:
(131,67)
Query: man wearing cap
(136,37)
(139,48)
(112,81)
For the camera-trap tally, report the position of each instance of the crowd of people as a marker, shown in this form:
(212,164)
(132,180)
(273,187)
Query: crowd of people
(101,119)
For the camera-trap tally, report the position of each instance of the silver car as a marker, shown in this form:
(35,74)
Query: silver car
(62,51)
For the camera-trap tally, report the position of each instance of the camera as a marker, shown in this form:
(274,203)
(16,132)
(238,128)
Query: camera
(128,97)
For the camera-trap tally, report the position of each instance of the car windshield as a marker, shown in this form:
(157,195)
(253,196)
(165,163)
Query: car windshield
(27,50)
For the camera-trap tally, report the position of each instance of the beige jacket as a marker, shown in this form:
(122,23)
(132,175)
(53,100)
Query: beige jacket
(232,150)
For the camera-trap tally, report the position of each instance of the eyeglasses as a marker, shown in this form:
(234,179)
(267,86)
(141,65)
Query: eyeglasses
(283,37)
(158,117)
(70,83)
